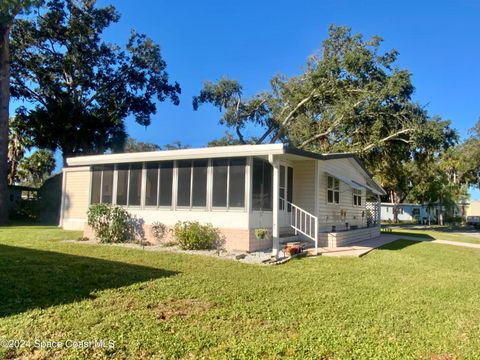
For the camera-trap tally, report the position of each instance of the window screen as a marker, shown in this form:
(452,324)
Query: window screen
(262,185)
(151,188)
(199,185)
(96,184)
(237,183)
(107,184)
(166,180)
(135,185)
(184,182)
(219,192)
(122,184)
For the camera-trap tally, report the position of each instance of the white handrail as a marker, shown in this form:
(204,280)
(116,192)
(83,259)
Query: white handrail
(303,222)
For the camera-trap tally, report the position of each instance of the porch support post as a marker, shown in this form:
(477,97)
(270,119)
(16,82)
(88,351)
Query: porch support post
(276,193)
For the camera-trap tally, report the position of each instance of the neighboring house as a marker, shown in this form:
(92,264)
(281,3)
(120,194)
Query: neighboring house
(473,208)
(236,188)
(420,213)
(406,212)
(18,194)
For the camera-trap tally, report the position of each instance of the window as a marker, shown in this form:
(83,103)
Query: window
(220,182)
(151,186)
(96,185)
(416,212)
(192,183)
(184,182)
(236,183)
(107,185)
(122,184)
(333,190)
(165,186)
(262,185)
(199,183)
(102,184)
(228,183)
(357,197)
(158,184)
(135,185)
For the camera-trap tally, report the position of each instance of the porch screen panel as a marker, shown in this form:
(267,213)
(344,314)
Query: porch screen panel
(289,188)
(107,184)
(281,203)
(219,195)
(122,184)
(135,185)
(262,185)
(237,183)
(199,185)
(151,189)
(184,182)
(96,184)
(267,185)
(166,180)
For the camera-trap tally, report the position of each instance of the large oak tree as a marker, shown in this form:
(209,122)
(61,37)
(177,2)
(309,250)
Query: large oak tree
(352,97)
(81,87)
(9,9)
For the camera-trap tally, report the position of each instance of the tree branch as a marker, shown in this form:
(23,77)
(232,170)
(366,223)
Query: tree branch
(290,115)
(323,134)
(393,136)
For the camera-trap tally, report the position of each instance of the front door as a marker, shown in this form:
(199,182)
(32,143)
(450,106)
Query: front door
(286,194)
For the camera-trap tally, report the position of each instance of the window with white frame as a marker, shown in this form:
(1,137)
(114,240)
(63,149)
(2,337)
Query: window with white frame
(158,187)
(333,190)
(102,184)
(228,183)
(192,183)
(357,197)
(129,184)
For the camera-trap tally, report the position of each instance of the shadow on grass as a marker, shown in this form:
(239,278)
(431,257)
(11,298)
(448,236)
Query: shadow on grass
(31,278)
(413,234)
(399,244)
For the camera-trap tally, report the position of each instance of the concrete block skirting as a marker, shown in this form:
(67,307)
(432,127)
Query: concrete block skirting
(343,238)
(233,239)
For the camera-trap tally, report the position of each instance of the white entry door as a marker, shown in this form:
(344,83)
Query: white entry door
(286,194)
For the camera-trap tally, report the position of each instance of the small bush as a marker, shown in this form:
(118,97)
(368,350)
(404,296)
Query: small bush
(158,230)
(110,223)
(191,235)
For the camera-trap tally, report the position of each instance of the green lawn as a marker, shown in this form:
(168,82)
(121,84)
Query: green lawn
(441,233)
(408,300)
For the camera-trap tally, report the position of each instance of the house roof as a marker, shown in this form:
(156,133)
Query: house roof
(214,152)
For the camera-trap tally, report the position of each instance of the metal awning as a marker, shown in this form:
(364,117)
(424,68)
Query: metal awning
(347,181)
(375,191)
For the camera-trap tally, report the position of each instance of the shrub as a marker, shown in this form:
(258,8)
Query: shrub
(110,223)
(158,230)
(191,235)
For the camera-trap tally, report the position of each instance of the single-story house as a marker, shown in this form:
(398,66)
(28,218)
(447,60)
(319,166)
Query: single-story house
(330,200)
(405,212)
(420,213)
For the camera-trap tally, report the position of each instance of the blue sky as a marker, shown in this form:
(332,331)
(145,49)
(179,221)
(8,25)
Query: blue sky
(253,40)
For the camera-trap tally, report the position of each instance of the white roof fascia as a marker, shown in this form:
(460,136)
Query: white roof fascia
(182,154)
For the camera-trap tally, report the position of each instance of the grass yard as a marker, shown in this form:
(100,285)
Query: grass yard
(408,300)
(441,233)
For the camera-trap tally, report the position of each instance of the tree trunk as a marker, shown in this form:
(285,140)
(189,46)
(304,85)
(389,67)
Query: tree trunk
(4,113)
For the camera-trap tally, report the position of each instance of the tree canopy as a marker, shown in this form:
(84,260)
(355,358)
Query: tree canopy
(82,87)
(352,97)
(33,170)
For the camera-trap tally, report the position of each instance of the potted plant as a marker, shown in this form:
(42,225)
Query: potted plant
(262,233)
